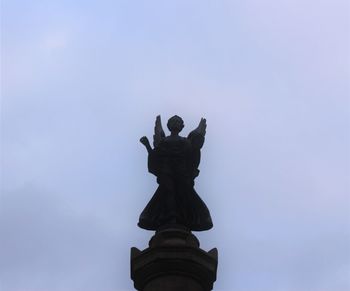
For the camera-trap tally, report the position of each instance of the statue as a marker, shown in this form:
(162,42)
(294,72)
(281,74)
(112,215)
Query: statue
(174,160)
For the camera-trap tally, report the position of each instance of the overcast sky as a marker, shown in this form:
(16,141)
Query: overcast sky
(82,81)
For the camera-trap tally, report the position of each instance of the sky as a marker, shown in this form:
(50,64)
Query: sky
(82,81)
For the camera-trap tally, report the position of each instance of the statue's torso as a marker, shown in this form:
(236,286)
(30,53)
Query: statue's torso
(174,155)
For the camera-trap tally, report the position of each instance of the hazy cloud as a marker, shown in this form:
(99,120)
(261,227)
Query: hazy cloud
(82,81)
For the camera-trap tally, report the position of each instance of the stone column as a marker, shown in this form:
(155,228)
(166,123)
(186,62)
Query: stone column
(173,262)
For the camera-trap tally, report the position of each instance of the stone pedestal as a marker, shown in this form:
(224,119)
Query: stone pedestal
(173,262)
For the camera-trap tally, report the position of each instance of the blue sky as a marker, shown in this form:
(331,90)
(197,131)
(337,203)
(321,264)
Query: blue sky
(82,81)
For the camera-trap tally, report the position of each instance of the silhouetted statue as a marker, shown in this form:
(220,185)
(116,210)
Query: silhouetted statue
(175,160)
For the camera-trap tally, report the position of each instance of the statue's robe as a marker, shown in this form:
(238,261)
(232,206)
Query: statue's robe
(175,163)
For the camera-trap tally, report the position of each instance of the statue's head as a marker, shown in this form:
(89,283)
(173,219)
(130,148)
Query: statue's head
(175,124)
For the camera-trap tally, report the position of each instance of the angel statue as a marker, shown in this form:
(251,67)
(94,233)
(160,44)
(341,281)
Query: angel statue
(174,160)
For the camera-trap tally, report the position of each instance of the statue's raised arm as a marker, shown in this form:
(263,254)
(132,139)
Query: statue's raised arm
(197,135)
(158,136)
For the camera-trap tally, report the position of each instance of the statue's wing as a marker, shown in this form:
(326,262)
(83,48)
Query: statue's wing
(197,135)
(158,132)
